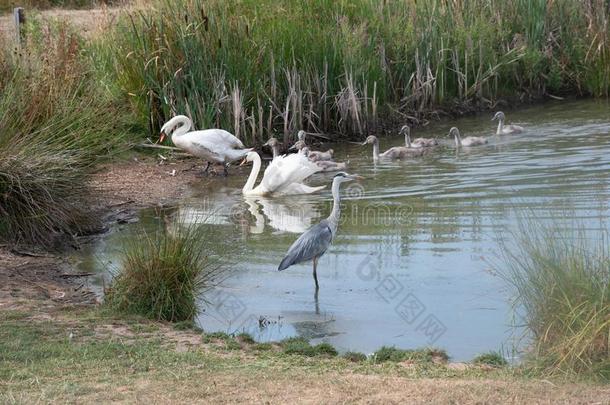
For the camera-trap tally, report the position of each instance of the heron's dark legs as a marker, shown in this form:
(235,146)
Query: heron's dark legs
(315,297)
(205,171)
(315,275)
(226,172)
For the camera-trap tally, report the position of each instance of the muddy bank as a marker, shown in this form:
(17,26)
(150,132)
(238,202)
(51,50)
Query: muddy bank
(30,277)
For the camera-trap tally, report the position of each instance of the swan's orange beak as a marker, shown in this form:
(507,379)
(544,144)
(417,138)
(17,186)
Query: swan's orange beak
(161,137)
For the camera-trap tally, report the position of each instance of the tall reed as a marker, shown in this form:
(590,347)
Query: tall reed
(348,66)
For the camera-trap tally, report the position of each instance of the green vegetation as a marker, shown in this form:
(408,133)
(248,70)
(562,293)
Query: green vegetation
(301,346)
(355,357)
(162,273)
(393,354)
(8,5)
(491,359)
(349,66)
(562,281)
(54,129)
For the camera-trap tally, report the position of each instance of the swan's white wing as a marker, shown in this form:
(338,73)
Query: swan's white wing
(285,170)
(217,136)
(297,188)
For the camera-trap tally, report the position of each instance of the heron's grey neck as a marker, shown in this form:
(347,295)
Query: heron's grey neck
(275,151)
(335,214)
(500,126)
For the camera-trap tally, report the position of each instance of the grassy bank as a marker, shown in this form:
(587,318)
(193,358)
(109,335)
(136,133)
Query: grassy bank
(56,125)
(87,355)
(255,68)
(561,276)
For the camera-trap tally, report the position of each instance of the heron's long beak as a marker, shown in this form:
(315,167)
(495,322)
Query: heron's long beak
(293,147)
(364,143)
(357,177)
(161,137)
(243,162)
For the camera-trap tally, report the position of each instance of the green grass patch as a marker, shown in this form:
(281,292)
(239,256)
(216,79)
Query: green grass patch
(163,273)
(491,359)
(301,346)
(355,357)
(560,272)
(393,354)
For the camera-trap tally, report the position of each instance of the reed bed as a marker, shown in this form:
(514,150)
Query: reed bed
(561,275)
(351,67)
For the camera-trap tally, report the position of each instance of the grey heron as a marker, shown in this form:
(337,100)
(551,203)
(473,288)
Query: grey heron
(417,142)
(315,241)
(468,141)
(213,145)
(505,129)
(396,152)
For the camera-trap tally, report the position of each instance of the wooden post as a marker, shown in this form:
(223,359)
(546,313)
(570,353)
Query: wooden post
(19,14)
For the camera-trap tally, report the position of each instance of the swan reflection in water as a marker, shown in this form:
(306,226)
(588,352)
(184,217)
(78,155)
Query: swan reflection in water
(252,213)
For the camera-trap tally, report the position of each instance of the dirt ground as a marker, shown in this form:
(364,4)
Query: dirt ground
(29,276)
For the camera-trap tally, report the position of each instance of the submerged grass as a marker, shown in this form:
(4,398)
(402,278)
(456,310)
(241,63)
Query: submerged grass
(163,273)
(561,274)
(256,68)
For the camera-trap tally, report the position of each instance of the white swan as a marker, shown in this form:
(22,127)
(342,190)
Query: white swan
(213,145)
(468,141)
(505,129)
(397,152)
(417,142)
(284,175)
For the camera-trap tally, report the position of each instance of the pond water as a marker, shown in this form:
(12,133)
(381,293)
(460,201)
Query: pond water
(412,263)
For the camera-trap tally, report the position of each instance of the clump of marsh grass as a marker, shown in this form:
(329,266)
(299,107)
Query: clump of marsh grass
(163,273)
(491,359)
(561,275)
(393,354)
(55,126)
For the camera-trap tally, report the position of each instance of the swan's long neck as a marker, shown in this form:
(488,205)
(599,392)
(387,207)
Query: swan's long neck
(185,126)
(335,214)
(275,151)
(256,167)
(458,139)
(407,139)
(375,150)
(500,126)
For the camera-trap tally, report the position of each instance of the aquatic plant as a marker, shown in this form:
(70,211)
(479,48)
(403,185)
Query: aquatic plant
(54,127)
(163,272)
(561,277)
(256,68)
(355,357)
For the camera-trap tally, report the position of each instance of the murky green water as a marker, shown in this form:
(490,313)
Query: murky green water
(411,264)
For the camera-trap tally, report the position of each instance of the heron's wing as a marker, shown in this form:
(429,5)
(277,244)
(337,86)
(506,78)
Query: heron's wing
(312,243)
